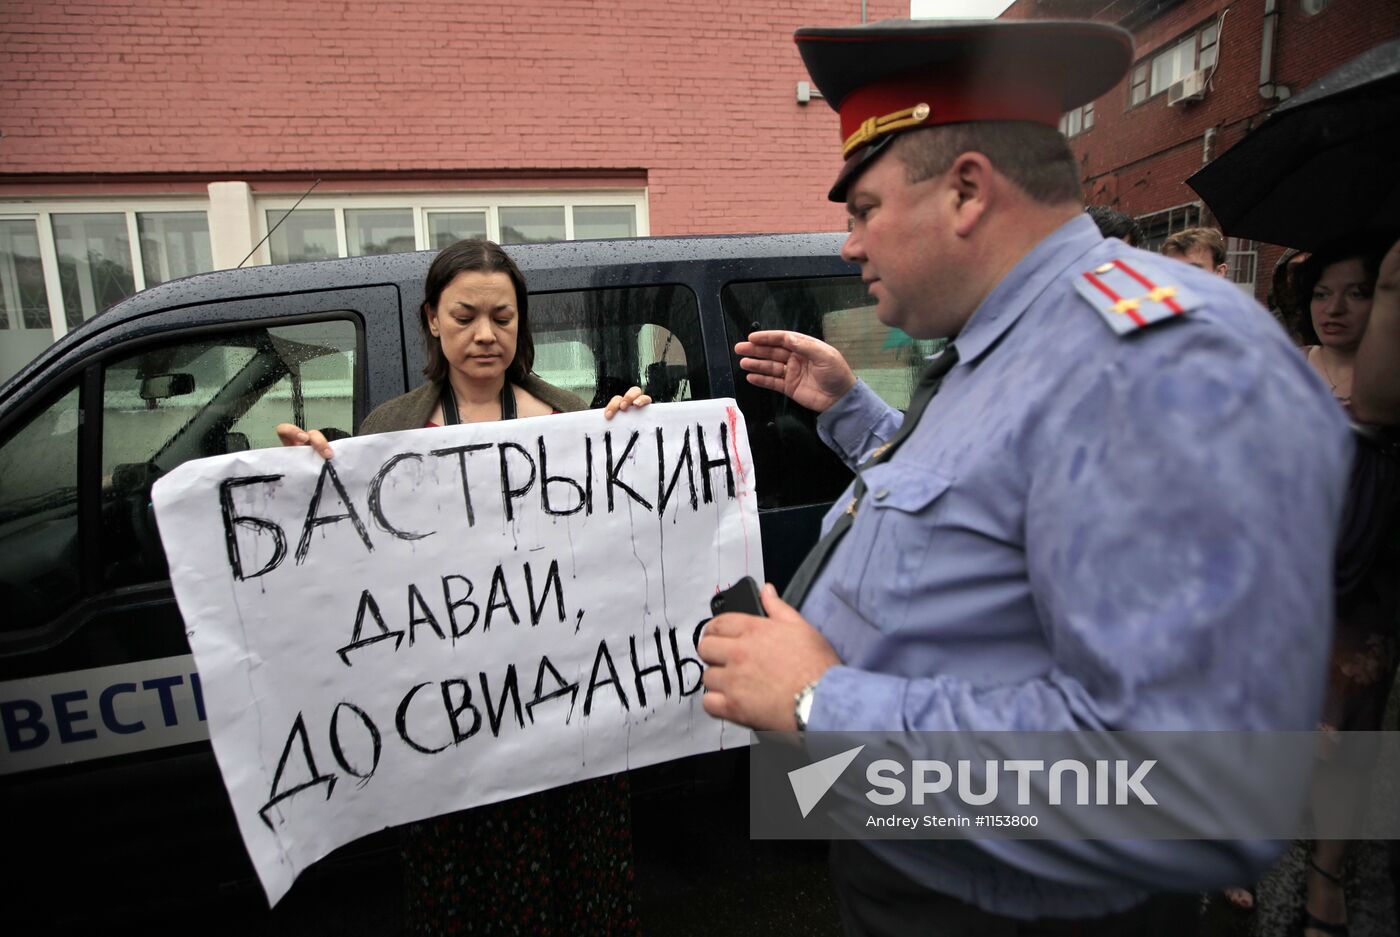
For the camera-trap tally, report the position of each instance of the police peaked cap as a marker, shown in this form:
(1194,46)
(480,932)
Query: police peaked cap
(896,75)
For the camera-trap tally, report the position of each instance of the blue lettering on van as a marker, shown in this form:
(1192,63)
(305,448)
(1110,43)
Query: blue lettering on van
(109,714)
(65,717)
(24,724)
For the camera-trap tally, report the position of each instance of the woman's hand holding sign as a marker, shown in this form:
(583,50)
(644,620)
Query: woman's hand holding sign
(756,666)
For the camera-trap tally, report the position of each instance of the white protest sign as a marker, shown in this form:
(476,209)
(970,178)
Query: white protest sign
(438,619)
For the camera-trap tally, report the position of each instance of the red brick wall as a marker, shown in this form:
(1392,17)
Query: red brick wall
(700,97)
(1137,159)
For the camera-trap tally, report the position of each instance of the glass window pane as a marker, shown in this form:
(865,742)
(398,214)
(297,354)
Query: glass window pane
(39,516)
(1185,58)
(1088,116)
(24,312)
(1162,71)
(379,231)
(26,297)
(604,221)
(530,225)
(174,244)
(94,263)
(303,235)
(204,396)
(792,464)
(1208,57)
(598,343)
(449,227)
(1209,34)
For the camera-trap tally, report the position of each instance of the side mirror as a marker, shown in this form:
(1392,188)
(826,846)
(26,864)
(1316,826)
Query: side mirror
(161,386)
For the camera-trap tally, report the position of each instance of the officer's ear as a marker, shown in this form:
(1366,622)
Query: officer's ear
(972,178)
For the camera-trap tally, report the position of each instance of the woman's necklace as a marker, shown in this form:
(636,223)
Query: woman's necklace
(1327,373)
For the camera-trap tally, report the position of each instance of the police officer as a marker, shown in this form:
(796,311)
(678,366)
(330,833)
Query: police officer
(1116,512)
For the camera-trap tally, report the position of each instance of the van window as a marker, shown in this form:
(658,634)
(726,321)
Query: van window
(794,466)
(598,343)
(39,559)
(203,396)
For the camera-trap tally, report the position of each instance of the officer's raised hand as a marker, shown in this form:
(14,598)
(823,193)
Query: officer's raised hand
(804,368)
(757,666)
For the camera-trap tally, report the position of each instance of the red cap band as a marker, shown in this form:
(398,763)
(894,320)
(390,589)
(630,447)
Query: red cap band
(951,99)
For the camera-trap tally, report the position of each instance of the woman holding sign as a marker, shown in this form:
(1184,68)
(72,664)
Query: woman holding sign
(559,860)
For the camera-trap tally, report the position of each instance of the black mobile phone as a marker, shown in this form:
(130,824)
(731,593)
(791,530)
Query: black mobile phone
(741,597)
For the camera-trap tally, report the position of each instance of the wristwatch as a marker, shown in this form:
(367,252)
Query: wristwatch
(802,705)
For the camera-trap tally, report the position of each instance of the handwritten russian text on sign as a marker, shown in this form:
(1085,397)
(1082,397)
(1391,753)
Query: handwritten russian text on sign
(439,619)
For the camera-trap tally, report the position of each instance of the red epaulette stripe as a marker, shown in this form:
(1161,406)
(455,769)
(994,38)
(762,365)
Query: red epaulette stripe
(1149,285)
(1104,288)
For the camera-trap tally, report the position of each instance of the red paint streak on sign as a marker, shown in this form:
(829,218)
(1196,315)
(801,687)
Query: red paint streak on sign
(734,441)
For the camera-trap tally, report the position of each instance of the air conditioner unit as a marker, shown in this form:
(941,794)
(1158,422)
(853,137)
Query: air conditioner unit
(1190,88)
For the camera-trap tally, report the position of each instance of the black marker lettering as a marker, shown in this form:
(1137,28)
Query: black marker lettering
(614,466)
(461,452)
(562,688)
(508,494)
(686,460)
(603,656)
(454,604)
(401,719)
(312,521)
(558,480)
(368,604)
(706,463)
(639,672)
(420,614)
(455,710)
(498,586)
(297,735)
(510,693)
(551,577)
(376,743)
(256,524)
(376,507)
(682,661)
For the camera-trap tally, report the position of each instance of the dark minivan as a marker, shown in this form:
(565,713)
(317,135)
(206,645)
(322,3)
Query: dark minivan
(110,788)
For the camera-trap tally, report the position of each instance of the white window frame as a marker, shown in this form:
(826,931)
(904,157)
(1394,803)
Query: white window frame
(421,204)
(41,212)
(1171,49)
(1242,256)
(1077,121)
(1177,218)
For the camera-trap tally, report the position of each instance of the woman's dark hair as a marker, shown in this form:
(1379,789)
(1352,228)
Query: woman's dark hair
(1369,249)
(475,256)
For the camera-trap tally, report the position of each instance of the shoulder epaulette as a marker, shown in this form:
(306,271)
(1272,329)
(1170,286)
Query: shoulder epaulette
(1127,297)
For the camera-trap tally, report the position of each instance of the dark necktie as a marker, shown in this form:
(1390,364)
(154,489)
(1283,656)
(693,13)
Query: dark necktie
(924,390)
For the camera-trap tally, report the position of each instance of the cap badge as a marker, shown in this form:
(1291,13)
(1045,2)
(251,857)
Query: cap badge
(874,127)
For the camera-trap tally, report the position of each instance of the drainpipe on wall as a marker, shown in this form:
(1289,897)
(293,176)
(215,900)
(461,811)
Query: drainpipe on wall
(1207,154)
(1267,88)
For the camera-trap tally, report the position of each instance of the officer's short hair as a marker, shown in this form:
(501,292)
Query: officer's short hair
(1183,242)
(1035,157)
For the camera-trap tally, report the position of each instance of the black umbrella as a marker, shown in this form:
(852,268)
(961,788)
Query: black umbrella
(1323,165)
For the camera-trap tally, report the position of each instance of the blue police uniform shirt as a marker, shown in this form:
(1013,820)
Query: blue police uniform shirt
(1088,530)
